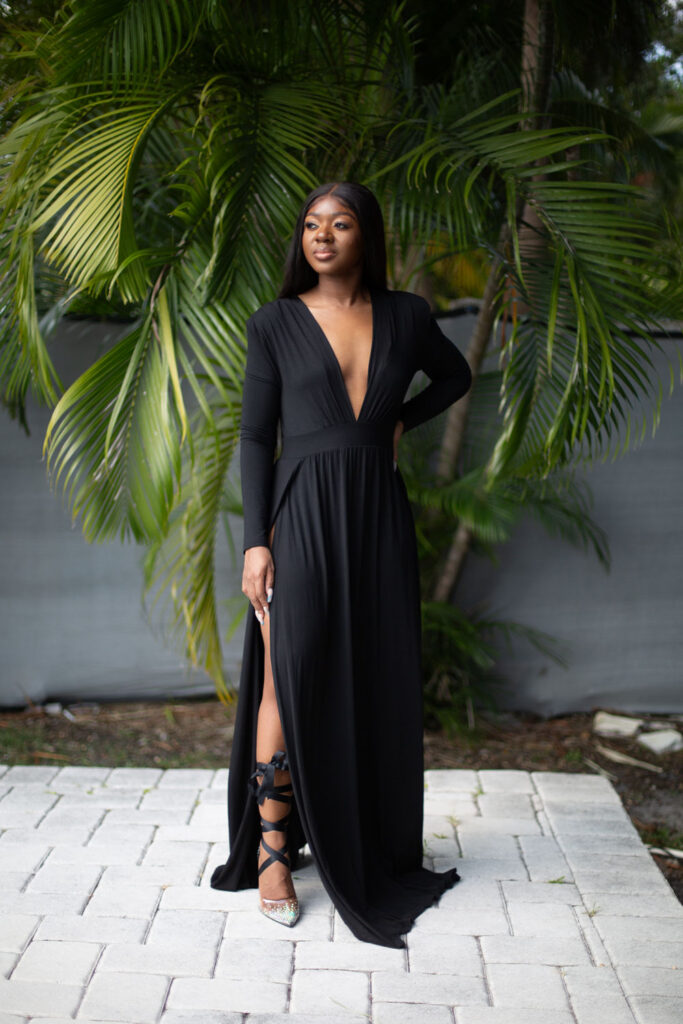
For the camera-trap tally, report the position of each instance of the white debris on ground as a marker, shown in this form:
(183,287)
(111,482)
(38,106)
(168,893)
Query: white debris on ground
(666,741)
(657,735)
(606,724)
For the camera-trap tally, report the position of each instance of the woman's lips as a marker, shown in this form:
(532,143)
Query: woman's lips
(324,254)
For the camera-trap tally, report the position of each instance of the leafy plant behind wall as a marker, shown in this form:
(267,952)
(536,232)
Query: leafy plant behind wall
(156,156)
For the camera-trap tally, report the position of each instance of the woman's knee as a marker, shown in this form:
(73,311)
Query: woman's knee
(269,691)
(268,682)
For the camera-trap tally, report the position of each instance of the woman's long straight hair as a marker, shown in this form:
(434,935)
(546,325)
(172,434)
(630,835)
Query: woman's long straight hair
(300,277)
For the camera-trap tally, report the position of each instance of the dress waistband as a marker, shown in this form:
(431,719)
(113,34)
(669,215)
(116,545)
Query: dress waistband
(339,435)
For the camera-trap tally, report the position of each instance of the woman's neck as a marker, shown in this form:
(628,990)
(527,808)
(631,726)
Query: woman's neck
(339,291)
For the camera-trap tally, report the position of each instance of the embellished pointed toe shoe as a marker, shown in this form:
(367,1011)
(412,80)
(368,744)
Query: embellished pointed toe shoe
(284,911)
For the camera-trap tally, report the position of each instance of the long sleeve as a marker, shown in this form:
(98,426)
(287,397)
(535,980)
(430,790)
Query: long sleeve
(258,436)
(447,368)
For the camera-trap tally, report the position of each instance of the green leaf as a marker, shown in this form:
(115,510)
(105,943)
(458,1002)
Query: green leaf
(112,441)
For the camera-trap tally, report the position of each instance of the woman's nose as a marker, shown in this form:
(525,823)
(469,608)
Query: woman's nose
(322,232)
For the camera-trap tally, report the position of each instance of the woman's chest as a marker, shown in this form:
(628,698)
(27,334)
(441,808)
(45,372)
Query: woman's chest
(310,352)
(315,371)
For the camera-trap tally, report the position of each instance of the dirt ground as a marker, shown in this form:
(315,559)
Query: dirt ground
(198,734)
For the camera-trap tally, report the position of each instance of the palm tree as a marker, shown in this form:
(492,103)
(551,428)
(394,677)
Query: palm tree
(564,291)
(158,165)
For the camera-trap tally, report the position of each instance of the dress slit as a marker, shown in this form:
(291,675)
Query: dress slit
(296,836)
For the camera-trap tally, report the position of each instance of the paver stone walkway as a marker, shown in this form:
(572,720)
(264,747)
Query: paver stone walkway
(106,914)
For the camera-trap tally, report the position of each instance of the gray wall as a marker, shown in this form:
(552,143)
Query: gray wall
(71,619)
(72,625)
(622,630)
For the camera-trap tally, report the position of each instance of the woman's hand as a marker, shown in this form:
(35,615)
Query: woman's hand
(398,430)
(257,579)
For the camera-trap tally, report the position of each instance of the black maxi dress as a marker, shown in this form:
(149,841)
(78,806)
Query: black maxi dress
(345,628)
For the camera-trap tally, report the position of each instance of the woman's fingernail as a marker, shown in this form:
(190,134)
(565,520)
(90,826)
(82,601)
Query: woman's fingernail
(259,617)
(269,592)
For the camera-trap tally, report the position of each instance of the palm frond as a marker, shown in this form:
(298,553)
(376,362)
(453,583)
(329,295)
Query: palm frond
(490,513)
(87,204)
(25,363)
(112,441)
(562,504)
(577,364)
(180,568)
(649,137)
(119,41)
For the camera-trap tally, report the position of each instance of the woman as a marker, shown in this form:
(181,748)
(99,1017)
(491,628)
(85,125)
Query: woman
(328,732)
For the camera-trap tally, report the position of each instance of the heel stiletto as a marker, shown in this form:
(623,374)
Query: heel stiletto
(283,911)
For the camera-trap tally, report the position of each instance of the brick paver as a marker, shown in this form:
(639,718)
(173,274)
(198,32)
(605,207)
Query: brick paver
(106,913)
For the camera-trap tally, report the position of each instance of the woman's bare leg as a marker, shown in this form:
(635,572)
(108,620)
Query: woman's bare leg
(275,883)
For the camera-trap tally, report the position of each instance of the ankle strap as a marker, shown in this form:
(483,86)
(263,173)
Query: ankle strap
(267,788)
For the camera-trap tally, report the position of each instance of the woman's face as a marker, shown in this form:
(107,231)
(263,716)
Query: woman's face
(331,241)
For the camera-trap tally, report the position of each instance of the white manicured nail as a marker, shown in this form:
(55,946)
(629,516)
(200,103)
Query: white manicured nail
(269,592)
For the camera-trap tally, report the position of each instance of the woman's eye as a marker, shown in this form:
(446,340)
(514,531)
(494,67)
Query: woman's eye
(341,224)
(310,225)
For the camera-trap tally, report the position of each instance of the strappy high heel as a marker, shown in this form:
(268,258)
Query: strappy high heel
(284,911)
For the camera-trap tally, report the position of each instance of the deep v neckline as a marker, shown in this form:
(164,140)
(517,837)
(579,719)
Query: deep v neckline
(333,354)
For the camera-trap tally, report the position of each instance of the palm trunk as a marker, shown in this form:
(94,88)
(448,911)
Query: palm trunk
(454,432)
(452,567)
(536,71)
